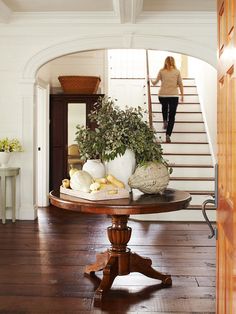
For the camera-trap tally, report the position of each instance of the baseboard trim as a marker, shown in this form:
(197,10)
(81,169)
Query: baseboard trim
(27,212)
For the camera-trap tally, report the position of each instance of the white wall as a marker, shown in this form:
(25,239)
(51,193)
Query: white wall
(206,81)
(26,45)
(83,63)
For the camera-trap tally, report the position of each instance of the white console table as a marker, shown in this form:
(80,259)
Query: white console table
(12,173)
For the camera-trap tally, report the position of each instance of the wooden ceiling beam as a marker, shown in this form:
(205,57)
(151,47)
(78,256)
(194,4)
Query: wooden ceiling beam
(5,12)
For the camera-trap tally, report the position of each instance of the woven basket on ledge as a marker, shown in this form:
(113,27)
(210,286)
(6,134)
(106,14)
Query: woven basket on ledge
(75,84)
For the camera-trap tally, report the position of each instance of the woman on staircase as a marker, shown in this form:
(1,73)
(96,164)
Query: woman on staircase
(171,80)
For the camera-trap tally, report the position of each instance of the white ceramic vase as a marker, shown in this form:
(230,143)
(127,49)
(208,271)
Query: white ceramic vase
(4,159)
(122,167)
(95,168)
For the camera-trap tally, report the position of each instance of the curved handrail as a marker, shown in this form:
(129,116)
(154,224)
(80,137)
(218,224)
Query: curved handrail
(149,92)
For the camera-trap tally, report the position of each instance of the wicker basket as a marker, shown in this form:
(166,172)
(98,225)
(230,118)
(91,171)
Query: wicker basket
(75,84)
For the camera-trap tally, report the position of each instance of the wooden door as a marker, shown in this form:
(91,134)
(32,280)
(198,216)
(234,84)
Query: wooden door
(58,132)
(226,213)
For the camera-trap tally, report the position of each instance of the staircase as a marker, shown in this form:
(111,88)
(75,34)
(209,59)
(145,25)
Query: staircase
(189,152)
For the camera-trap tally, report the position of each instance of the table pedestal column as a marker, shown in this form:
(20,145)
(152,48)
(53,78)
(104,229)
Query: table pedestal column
(119,260)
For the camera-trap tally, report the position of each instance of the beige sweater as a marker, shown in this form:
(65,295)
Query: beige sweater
(170,81)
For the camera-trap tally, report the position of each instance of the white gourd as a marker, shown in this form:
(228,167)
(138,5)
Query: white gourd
(81,181)
(152,178)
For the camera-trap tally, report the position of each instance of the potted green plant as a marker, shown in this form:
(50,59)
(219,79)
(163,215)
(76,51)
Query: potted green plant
(90,143)
(8,146)
(91,146)
(117,132)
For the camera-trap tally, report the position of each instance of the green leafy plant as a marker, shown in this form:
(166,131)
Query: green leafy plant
(90,143)
(10,145)
(116,131)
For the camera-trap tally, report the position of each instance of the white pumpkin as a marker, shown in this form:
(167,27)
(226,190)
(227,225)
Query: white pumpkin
(81,181)
(152,178)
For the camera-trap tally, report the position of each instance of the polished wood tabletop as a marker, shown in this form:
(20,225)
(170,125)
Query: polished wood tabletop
(170,200)
(118,260)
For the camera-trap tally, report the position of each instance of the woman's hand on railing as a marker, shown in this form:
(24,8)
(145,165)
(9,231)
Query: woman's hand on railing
(153,82)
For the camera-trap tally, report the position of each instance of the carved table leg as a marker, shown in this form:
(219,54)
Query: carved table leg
(118,260)
(101,261)
(109,274)
(115,261)
(143,266)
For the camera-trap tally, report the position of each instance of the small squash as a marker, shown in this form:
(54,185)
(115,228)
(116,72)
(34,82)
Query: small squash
(151,178)
(81,181)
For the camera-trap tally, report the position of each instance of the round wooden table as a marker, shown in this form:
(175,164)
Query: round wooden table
(118,259)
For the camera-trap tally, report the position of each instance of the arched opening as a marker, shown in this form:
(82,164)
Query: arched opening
(69,49)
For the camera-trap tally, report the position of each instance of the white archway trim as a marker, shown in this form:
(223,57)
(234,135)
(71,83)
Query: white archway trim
(109,41)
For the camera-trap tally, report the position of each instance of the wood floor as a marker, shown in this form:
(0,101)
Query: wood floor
(42,262)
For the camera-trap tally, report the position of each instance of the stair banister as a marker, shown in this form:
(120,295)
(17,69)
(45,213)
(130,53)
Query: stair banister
(148,91)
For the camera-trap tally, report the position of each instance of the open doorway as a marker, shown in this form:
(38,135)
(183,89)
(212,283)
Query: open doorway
(123,77)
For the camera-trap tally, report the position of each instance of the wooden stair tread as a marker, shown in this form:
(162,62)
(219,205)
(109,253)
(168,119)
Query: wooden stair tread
(180,112)
(156,94)
(183,132)
(199,207)
(205,143)
(192,178)
(159,121)
(187,154)
(210,193)
(184,103)
(158,85)
(190,166)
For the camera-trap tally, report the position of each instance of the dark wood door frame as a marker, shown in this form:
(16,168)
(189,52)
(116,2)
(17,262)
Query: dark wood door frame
(58,146)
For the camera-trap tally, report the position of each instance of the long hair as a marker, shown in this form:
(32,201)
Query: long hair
(169,63)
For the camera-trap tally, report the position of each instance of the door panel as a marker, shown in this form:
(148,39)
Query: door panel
(226,111)
(59,132)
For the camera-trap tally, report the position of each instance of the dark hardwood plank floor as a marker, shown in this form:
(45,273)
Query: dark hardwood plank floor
(42,262)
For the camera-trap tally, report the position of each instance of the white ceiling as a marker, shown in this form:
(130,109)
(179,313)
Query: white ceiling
(58,5)
(118,11)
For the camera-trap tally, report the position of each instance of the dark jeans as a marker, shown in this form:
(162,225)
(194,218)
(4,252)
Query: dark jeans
(169,107)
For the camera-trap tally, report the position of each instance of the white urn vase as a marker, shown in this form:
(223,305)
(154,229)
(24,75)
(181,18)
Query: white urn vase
(95,168)
(4,159)
(122,167)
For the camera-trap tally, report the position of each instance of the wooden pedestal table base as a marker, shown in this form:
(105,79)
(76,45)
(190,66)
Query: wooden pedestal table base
(119,260)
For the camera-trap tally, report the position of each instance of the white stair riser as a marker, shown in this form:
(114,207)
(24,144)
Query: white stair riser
(189,82)
(180,116)
(184,137)
(192,172)
(189,160)
(192,185)
(199,199)
(185,148)
(187,90)
(187,99)
(185,127)
(181,107)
